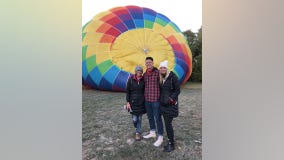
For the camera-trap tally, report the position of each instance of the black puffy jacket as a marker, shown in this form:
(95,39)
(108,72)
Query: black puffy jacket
(135,95)
(170,88)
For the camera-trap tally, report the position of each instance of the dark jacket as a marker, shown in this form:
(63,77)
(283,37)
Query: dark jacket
(169,89)
(135,95)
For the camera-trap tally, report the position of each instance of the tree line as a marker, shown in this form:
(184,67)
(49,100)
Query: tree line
(195,44)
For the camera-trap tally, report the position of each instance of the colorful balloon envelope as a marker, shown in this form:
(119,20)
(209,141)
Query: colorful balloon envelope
(114,42)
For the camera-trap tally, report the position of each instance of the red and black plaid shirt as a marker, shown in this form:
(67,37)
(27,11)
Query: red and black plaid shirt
(152,85)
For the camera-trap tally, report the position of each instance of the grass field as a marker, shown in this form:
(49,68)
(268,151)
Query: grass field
(108,132)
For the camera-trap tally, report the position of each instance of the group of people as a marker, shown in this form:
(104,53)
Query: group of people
(154,92)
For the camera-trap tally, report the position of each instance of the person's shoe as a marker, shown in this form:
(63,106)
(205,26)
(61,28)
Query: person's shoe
(137,137)
(168,142)
(169,147)
(152,134)
(159,141)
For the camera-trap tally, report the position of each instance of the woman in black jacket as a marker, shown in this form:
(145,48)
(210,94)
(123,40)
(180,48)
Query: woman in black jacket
(135,99)
(170,89)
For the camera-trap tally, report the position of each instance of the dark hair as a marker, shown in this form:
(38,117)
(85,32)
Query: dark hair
(149,58)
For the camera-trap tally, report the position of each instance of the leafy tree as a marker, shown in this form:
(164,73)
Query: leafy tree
(195,44)
(190,36)
(198,43)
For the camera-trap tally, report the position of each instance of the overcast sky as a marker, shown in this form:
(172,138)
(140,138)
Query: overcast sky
(186,14)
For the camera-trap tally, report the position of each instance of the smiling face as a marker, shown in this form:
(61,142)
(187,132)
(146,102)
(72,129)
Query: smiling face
(149,63)
(163,70)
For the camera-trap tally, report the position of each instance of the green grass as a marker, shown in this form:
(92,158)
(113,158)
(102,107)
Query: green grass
(108,132)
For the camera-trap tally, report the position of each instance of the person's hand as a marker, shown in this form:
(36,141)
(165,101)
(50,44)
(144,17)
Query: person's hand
(171,101)
(128,106)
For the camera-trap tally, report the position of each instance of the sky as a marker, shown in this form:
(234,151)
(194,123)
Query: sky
(186,14)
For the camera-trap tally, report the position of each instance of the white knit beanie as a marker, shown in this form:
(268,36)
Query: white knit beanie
(164,64)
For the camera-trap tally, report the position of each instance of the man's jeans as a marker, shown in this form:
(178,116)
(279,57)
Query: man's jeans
(154,116)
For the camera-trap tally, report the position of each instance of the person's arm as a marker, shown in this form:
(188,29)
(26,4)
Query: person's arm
(176,87)
(128,93)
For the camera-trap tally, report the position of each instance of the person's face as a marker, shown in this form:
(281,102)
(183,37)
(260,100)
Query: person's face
(149,64)
(163,70)
(139,73)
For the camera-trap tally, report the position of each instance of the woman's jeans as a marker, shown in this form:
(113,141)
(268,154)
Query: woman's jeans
(137,121)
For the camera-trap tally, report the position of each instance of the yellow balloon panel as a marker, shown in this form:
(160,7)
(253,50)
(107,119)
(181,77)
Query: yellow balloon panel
(92,38)
(98,48)
(102,57)
(92,26)
(157,27)
(167,31)
(134,46)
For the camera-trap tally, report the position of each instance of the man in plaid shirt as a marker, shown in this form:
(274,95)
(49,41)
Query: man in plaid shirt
(152,101)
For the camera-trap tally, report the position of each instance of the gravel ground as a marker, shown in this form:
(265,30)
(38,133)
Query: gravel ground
(108,132)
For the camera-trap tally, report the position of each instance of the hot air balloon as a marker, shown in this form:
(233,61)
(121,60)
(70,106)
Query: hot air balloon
(117,40)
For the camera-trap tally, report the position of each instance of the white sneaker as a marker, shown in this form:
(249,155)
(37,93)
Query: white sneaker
(159,141)
(152,134)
